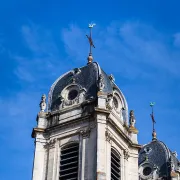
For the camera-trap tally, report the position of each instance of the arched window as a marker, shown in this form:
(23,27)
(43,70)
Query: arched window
(115,165)
(69,162)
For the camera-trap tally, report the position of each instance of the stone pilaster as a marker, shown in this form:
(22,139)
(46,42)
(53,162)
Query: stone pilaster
(108,153)
(101,147)
(85,133)
(39,158)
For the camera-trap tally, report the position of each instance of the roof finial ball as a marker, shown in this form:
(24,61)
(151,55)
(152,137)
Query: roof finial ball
(43,103)
(90,57)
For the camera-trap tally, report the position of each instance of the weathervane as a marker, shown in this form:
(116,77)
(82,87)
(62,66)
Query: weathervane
(153,120)
(90,58)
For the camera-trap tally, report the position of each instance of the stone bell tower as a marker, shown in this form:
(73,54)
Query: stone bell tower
(85,133)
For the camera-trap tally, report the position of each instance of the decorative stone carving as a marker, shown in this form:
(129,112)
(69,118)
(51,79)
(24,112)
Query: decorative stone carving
(43,103)
(85,132)
(132,119)
(111,77)
(126,154)
(77,70)
(132,122)
(101,82)
(109,101)
(50,144)
(108,136)
(71,95)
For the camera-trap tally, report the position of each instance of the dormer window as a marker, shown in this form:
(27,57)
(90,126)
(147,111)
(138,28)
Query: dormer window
(147,171)
(147,150)
(115,102)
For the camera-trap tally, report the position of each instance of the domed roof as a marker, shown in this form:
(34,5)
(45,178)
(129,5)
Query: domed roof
(88,77)
(158,154)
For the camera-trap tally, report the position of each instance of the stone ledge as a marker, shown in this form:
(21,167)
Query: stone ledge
(35,130)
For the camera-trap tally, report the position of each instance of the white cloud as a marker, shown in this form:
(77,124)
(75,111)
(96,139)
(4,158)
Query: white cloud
(131,47)
(44,59)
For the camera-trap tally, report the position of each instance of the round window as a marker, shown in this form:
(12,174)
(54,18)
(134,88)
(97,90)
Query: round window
(147,171)
(115,101)
(72,94)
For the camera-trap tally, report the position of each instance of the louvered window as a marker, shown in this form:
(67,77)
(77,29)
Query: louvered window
(115,165)
(69,162)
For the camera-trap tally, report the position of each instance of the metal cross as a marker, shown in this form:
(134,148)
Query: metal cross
(90,38)
(152,115)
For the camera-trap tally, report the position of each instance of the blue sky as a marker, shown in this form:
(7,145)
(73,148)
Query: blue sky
(136,41)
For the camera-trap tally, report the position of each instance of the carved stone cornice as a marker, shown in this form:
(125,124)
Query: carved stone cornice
(37,130)
(126,154)
(124,136)
(85,132)
(70,123)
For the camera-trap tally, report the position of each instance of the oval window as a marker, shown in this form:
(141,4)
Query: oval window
(147,171)
(72,94)
(115,101)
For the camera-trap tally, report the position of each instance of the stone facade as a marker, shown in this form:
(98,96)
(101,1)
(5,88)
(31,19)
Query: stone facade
(98,124)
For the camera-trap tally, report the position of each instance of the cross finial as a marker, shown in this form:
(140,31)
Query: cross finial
(153,121)
(90,58)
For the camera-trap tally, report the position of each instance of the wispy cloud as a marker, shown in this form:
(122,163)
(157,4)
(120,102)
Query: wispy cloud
(134,44)
(149,64)
(44,57)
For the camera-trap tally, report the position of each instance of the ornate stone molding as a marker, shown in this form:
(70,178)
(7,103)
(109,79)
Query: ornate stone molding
(126,154)
(101,82)
(85,132)
(109,101)
(50,144)
(108,136)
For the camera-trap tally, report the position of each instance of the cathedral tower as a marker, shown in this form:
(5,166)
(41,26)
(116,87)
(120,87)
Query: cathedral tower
(85,133)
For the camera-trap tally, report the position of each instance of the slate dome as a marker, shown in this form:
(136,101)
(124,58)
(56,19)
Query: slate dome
(156,155)
(88,77)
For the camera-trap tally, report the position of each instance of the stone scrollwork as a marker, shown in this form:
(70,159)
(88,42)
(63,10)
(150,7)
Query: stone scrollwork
(108,136)
(109,101)
(101,82)
(85,132)
(126,154)
(50,144)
